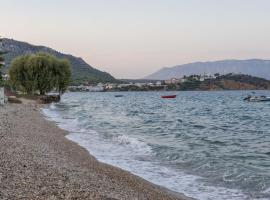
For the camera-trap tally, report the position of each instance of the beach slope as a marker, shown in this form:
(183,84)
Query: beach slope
(38,162)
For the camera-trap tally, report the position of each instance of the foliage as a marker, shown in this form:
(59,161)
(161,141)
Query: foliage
(62,75)
(39,72)
(190,85)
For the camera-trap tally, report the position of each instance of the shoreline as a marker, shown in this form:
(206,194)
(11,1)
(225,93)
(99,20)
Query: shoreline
(38,161)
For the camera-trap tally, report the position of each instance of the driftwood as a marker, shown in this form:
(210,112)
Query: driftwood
(13,99)
(46,99)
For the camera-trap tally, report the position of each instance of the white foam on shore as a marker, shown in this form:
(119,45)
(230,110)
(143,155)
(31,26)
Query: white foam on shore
(132,155)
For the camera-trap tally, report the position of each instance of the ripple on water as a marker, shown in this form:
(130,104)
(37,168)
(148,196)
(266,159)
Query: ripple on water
(215,142)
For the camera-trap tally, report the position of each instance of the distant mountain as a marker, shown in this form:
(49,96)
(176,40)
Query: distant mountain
(253,67)
(81,71)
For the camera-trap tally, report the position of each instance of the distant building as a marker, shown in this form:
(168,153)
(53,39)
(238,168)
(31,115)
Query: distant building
(168,82)
(183,80)
(124,85)
(158,83)
(139,84)
(110,86)
(201,78)
(98,88)
(172,81)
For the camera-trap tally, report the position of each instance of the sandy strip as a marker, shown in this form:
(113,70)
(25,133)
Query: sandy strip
(38,162)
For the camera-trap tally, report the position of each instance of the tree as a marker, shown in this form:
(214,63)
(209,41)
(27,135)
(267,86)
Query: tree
(40,72)
(62,75)
(22,75)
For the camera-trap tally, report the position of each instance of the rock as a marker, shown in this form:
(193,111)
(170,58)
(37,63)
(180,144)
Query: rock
(46,99)
(13,99)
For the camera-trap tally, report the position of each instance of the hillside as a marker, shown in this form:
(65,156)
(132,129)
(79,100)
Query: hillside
(226,82)
(81,71)
(253,67)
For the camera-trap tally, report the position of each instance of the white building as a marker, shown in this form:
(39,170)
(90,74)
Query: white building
(110,86)
(201,78)
(182,80)
(172,81)
(139,84)
(158,83)
(97,88)
(124,85)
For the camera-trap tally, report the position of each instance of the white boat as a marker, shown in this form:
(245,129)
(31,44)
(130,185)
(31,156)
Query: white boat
(257,99)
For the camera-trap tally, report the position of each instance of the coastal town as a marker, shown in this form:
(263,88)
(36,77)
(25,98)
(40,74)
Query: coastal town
(140,85)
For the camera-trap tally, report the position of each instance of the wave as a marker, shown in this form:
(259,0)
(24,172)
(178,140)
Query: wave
(137,156)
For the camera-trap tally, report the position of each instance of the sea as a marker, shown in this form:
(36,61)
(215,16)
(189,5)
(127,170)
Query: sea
(204,144)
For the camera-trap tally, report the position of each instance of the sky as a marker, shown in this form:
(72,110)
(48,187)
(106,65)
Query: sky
(134,38)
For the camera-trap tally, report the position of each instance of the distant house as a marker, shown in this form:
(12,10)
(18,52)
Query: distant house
(95,89)
(124,85)
(201,78)
(183,80)
(139,84)
(110,86)
(172,81)
(158,83)
(168,82)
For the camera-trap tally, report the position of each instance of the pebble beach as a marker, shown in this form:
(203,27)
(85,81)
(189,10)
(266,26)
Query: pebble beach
(38,162)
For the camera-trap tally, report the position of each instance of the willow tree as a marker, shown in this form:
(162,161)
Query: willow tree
(62,75)
(40,72)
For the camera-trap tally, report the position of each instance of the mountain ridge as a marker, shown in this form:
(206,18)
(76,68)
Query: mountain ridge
(254,67)
(81,71)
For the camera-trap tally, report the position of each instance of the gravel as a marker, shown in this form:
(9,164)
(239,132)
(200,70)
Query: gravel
(38,162)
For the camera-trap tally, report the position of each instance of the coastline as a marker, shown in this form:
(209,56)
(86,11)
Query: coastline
(39,162)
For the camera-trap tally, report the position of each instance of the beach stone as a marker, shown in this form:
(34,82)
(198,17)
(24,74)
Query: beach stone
(39,162)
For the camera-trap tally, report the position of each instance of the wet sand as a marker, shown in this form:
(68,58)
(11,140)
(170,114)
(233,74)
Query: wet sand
(38,162)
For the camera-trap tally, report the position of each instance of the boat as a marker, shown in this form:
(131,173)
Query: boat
(118,95)
(257,98)
(168,96)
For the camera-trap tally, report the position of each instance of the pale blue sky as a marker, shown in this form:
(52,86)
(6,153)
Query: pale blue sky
(132,38)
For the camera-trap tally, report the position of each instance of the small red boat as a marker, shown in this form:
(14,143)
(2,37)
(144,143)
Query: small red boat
(168,96)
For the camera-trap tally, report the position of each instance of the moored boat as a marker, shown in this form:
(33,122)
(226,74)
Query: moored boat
(257,99)
(168,96)
(118,95)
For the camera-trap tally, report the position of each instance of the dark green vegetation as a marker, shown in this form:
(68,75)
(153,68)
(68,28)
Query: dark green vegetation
(39,72)
(81,71)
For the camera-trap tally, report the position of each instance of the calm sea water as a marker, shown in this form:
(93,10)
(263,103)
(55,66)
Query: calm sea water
(207,145)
